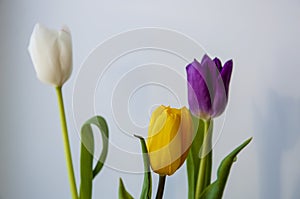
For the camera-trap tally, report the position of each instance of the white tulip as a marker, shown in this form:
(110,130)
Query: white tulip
(51,54)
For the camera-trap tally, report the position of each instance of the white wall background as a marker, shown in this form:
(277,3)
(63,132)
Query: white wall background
(261,36)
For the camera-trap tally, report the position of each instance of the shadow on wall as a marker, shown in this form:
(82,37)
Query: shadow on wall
(277,130)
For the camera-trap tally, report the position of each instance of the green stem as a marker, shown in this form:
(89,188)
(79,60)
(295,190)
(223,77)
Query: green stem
(208,169)
(66,143)
(206,161)
(161,187)
(209,155)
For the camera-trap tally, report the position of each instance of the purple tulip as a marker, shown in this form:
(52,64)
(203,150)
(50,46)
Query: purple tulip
(208,85)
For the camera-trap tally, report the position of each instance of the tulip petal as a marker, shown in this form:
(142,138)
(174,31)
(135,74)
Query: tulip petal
(157,121)
(221,97)
(218,63)
(205,58)
(174,145)
(210,74)
(226,74)
(198,93)
(186,125)
(220,100)
(161,153)
(39,52)
(211,71)
(51,54)
(65,53)
(167,134)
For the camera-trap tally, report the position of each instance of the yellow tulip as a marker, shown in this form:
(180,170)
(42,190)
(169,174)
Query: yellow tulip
(170,136)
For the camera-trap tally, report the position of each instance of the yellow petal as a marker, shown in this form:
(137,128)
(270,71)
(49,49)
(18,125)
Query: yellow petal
(170,135)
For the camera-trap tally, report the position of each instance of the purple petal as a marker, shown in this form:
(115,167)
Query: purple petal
(222,88)
(205,58)
(210,73)
(226,74)
(198,93)
(218,63)
(220,99)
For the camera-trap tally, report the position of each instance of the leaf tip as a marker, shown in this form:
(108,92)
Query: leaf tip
(249,140)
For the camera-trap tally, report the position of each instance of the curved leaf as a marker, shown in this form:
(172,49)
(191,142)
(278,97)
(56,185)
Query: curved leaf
(216,189)
(87,173)
(147,185)
(86,164)
(102,125)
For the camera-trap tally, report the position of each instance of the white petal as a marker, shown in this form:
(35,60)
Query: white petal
(65,50)
(45,49)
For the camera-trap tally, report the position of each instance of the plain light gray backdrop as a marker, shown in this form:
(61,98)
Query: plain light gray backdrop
(261,36)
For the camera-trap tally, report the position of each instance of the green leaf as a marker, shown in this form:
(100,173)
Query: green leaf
(123,194)
(147,185)
(87,173)
(102,125)
(193,160)
(86,164)
(216,189)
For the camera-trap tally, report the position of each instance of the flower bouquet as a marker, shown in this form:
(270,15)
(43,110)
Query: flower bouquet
(175,135)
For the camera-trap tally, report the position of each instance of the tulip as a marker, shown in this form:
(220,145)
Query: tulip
(51,54)
(170,136)
(208,85)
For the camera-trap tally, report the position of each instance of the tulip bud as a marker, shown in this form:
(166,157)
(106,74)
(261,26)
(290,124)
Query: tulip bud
(51,54)
(170,136)
(208,86)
